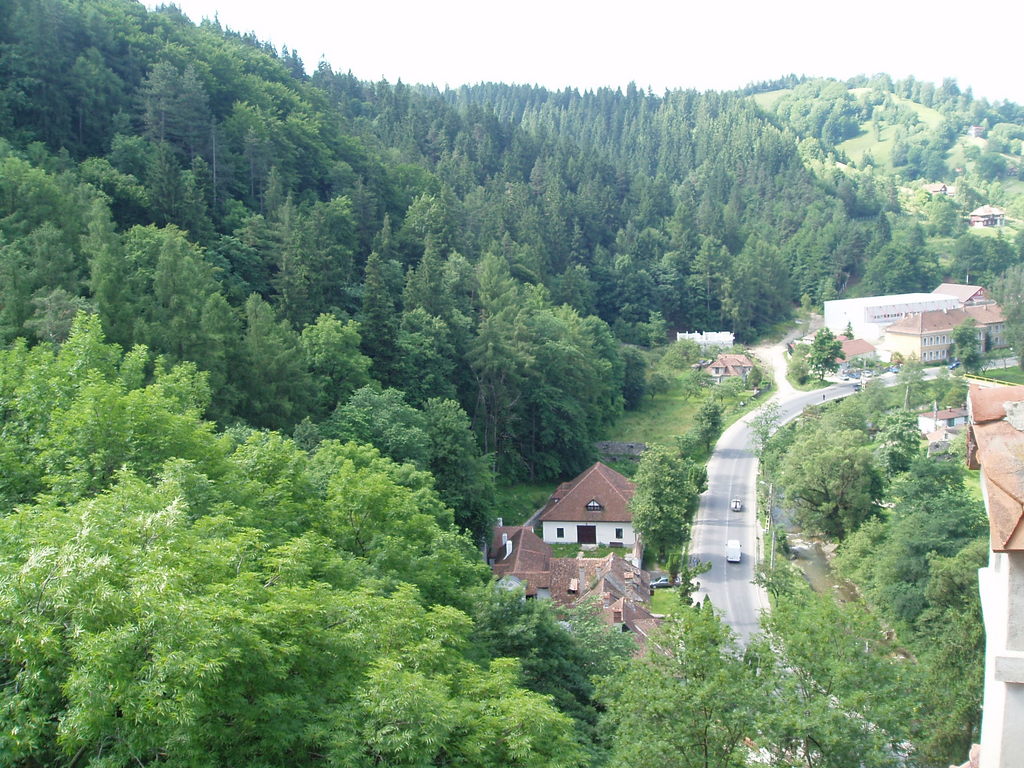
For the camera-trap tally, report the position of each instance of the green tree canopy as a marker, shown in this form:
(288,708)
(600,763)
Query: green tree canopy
(665,499)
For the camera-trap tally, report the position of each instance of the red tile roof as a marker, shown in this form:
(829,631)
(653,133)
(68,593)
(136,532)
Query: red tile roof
(932,321)
(938,320)
(998,445)
(732,364)
(854,347)
(600,483)
(986,314)
(529,561)
(622,591)
(945,413)
(989,403)
(963,293)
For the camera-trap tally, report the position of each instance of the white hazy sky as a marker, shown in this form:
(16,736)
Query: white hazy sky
(698,44)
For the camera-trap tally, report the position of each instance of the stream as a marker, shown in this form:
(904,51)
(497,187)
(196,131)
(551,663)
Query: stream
(810,556)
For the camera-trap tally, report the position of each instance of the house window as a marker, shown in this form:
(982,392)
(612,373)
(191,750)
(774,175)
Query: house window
(618,533)
(559,533)
(594,506)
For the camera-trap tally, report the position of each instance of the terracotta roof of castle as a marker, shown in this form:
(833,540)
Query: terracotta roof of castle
(997,444)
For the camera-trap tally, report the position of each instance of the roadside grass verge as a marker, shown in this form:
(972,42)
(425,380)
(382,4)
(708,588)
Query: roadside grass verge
(1013,375)
(665,601)
(810,385)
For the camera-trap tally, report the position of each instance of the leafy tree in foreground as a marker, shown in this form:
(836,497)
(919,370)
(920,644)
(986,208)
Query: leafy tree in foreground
(898,441)
(707,423)
(665,498)
(966,346)
(824,353)
(690,703)
(838,697)
(1009,292)
(830,479)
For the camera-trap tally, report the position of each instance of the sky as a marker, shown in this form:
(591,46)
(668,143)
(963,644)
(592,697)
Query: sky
(700,44)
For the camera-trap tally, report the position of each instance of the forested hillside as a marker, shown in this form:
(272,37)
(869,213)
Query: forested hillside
(269,338)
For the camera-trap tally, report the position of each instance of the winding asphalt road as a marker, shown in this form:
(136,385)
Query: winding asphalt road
(732,473)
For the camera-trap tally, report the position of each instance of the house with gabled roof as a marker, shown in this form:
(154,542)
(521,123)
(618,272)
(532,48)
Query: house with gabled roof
(620,590)
(940,188)
(930,421)
(592,508)
(987,216)
(965,294)
(728,365)
(856,349)
(519,558)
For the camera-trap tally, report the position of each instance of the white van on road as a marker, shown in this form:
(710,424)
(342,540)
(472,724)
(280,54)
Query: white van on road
(732,551)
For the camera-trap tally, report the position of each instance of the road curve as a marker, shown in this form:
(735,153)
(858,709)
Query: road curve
(732,473)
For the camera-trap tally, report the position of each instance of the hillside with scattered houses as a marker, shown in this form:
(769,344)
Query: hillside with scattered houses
(277,345)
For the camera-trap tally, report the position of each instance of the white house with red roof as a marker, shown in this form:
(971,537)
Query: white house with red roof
(936,419)
(593,508)
(728,365)
(856,349)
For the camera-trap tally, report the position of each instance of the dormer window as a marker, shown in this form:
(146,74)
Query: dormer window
(594,506)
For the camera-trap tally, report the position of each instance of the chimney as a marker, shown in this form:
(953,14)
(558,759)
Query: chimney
(581,571)
(504,539)
(500,523)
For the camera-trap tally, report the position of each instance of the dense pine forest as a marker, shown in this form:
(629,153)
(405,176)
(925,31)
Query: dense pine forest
(269,339)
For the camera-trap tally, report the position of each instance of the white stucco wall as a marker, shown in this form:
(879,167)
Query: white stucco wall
(605,533)
(1002,604)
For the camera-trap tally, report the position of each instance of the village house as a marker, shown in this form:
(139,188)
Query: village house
(939,188)
(619,589)
(856,350)
(519,558)
(987,216)
(965,294)
(928,336)
(729,365)
(592,508)
(937,419)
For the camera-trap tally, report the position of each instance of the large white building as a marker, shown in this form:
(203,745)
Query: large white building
(705,339)
(869,316)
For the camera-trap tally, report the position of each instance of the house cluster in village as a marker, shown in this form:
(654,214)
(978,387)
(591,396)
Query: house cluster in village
(589,511)
(915,326)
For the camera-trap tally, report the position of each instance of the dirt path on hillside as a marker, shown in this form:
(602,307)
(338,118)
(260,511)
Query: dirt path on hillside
(773,355)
